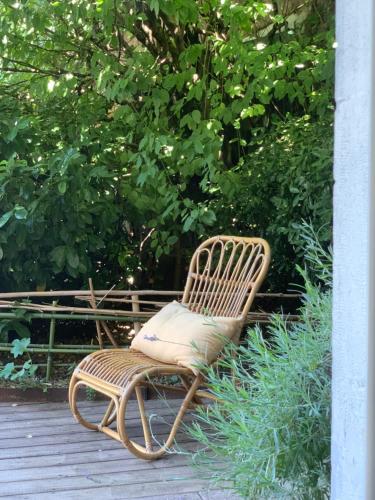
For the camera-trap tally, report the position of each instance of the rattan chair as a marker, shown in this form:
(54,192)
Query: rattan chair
(224,276)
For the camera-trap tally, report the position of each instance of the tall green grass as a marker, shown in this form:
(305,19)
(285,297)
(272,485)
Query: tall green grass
(269,436)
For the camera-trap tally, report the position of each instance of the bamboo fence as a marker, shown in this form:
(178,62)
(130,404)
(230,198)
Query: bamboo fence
(53,312)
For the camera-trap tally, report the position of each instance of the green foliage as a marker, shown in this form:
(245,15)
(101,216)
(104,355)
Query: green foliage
(16,325)
(270,433)
(27,370)
(128,128)
(288,178)
(45,231)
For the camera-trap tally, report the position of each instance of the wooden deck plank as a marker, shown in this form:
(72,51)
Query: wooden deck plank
(43,450)
(76,432)
(10,403)
(23,414)
(59,471)
(22,406)
(121,464)
(88,403)
(88,480)
(76,496)
(96,439)
(82,458)
(121,492)
(69,429)
(10,407)
(69,422)
(64,460)
(72,428)
(35,405)
(89,436)
(109,466)
(67,418)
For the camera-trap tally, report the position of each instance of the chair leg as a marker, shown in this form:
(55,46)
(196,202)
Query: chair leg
(186,384)
(144,419)
(112,417)
(149,452)
(109,415)
(73,390)
(72,382)
(116,410)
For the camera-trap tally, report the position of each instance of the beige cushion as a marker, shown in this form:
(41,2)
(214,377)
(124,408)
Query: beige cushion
(179,336)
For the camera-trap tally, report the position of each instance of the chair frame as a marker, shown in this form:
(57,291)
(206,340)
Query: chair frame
(221,287)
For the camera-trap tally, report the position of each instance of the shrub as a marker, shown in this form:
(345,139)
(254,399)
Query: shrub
(270,433)
(58,218)
(133,129)
(288,177)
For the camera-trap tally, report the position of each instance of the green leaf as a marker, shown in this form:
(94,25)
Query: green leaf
(27,364)
(154,5)
(58,255)
(19,346)
(21,329)
(20,213)
(11,135)
(101,171)
(5,218)
(208,217)
(62,187)
(187,224)
(198,147)
(72,258)
(196,115)
(22,314)
(256,110)
(172,240)
(18,374)
(7,371)
(32,369)
(70,155)
(4,324)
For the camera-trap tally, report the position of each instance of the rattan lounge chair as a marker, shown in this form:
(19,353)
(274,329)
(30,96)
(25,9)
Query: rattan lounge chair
(224,276)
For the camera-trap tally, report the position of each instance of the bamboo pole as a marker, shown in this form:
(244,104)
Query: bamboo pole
(144,316)
(93,305)
(120,293)
(83,298)
(99,293)
(54,350)
(135,308)
(109,333)
(88,347)
(80,317)
(52,330)
(41,308)
(44,365)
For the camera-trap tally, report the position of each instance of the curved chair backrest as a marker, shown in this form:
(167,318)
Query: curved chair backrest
(224,275)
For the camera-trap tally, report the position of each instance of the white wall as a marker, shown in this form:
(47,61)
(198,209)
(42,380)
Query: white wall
(353,273)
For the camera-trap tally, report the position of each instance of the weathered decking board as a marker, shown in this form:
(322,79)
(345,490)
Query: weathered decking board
(44,454)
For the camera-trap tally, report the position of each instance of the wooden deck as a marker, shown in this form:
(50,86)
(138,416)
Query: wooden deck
(44,454)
